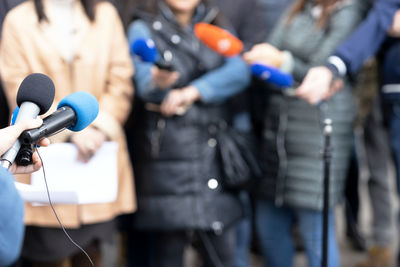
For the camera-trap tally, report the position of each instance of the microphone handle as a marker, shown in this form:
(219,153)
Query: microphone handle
(61,119)
(27,110)
(164,65)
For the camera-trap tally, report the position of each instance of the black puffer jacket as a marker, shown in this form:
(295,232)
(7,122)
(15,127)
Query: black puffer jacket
(177,172)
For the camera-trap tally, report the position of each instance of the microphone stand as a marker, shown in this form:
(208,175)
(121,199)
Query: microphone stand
(327,156)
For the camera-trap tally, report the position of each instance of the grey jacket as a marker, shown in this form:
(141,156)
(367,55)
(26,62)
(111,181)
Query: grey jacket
(292,136)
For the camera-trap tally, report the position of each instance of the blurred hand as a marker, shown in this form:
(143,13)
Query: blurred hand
(88,141)
(318,85)
(179,100)
(264,54)
(163,78)
(394,31)
(10,134)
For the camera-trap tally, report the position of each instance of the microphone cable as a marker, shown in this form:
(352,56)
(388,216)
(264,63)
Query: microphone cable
(55,213)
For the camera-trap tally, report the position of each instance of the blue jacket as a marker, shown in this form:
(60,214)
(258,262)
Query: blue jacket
(367,39)
(11,220)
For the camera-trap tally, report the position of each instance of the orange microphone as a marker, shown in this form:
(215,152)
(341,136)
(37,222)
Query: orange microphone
(218,39)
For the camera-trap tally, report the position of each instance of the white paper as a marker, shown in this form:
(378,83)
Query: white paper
(71,181)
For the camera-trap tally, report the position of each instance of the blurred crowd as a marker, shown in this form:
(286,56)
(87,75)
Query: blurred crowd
(211,155)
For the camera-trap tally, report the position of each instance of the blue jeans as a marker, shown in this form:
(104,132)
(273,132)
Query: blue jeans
(243,234)
(392,116)
(274,226)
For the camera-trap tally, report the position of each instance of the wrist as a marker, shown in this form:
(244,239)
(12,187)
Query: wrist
(191,94)
(333,70)
(337,66)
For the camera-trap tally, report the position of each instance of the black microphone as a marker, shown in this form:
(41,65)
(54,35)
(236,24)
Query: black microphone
(35,96)
(75,112)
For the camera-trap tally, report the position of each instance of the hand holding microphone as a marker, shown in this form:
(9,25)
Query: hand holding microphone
(265,54)
(163,74)
(75,112)
(10,134)
(164,79)
(35,96)
(146,50)
(265,61)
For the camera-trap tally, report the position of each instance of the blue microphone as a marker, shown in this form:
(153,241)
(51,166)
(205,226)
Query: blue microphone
(146,50)
(272,75)
(74,112)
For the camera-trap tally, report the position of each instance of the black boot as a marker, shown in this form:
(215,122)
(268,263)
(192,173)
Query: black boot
(355,237)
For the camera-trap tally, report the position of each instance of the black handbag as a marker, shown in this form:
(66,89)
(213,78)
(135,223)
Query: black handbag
(239,163)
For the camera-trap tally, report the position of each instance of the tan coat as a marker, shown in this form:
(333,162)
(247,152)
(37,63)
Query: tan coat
(101,66)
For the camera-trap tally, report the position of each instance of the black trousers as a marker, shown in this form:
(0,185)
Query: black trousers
(216,250)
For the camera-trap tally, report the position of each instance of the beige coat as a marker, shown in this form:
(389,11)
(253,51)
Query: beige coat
(101,66)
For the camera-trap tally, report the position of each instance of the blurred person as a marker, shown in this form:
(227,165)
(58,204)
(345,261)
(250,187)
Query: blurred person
(380,254)
(378,158)
(11,204)
(5,6)
(247,21)
(181,194)
(80,45)
(380,25)
(369,121)
(322,82)
(291,187)
(272,10)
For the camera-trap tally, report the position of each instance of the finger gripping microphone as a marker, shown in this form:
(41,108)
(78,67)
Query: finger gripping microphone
(74,112)
(218,39)
(35,96)
(272,75)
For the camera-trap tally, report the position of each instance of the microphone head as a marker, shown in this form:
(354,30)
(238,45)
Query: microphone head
(38,89)
(218,39)
(85,106)
(272,75)
(145,49)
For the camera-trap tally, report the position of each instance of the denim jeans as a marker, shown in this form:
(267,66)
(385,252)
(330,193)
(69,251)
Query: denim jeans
(243,234)
(274,226)
(392,116)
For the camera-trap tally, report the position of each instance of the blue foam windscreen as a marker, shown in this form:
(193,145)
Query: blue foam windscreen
(85,106)
(272,75)
(37,88)
(145,49)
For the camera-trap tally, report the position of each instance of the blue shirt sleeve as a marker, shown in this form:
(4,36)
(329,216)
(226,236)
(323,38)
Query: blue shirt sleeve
(368,37)
(11,219)
(223,82)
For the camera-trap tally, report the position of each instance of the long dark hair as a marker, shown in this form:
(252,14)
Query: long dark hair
(326,6)
(88,6)
(129,7)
